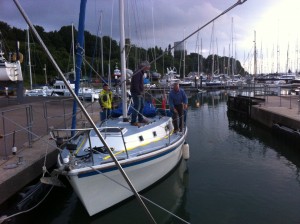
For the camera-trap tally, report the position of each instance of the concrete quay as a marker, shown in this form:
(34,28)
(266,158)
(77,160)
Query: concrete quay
(26,126)
(283,110)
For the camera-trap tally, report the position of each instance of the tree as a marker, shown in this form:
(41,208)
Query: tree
(59,44)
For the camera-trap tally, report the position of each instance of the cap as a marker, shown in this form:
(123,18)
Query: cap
(105,84)
(144,64)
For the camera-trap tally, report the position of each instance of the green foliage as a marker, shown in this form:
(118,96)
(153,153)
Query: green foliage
(59,44)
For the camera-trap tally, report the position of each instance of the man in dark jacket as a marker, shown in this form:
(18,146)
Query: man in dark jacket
(137,91)
(178,102)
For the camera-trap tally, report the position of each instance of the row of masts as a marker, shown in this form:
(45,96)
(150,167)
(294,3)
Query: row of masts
(287,68)
(29,61)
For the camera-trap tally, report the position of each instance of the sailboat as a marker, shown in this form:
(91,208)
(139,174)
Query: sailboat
(113,160)
(10,70)
(145,153)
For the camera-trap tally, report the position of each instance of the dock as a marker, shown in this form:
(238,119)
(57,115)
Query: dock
(278,110)
(36,115)
(24,128)
(280,113)
(243,104)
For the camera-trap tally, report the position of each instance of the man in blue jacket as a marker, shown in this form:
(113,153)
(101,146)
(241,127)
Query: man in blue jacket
(178,103)
(137,91)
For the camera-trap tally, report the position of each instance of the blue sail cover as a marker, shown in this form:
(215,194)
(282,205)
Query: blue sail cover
(146,81)
(149,110)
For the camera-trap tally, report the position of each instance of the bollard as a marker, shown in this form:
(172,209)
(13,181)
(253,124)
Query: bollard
(14,148)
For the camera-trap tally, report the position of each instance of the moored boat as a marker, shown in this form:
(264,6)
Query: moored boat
(10,70)
(146,153)
(114,160)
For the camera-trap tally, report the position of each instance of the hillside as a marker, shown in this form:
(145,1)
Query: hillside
(59,44)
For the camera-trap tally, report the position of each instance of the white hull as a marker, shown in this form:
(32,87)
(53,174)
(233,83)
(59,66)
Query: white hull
(89,94)
(10,71)
(101,185)
(98,192)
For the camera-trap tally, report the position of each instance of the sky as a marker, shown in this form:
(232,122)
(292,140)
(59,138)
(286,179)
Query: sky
(270,25)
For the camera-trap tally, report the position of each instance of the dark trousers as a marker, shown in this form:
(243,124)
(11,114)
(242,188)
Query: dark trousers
(178,117)
(138,105)
(105,114)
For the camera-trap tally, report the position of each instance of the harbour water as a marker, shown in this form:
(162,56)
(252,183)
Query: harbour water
(238,172)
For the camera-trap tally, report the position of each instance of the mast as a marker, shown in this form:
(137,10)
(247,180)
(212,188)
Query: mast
(201,63)
(296,61)
(255,62)
(232,65)
(102,67)
(278,53)
(217,62)
(79,52)
(228,61)
(224,62)
(287,59)
(201,59)
(261,59)
(111,24)
(198,48)
(29,58)
(184,59)
(73,52)
(213,57)
(154,56)
(95,128)
(123,61)
(45,70)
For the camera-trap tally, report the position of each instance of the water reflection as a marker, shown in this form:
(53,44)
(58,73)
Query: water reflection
(283,145)
(210,98)
(245,171)
(262,138)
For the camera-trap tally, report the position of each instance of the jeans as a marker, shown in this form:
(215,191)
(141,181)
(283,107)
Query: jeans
(105,114)
(178,117)
(138,107)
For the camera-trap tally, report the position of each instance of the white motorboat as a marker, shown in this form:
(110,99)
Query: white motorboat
(9,70)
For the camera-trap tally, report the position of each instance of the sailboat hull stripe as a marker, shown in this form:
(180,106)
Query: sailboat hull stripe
(106,170)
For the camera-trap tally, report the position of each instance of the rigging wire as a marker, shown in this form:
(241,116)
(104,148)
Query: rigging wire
(154,44)
(98,133)
(76,99)
(110,40)
(239,2)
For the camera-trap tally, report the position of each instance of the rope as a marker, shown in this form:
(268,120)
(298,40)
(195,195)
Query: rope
(45,160)
(22,212)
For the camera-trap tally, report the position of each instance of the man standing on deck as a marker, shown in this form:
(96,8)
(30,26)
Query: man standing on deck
(137,91)
(178,103)
(105,100)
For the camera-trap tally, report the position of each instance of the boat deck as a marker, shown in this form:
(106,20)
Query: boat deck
(142,140)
